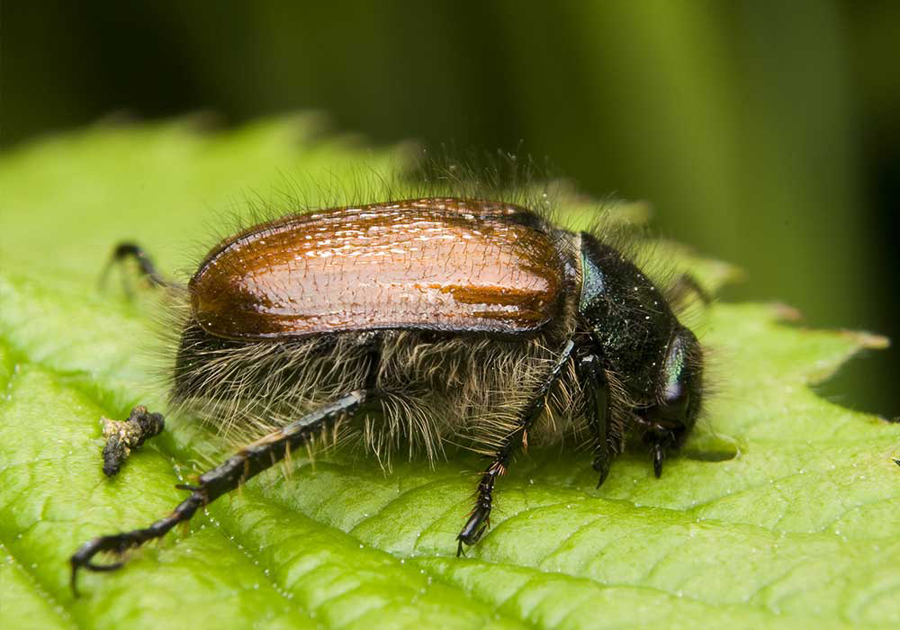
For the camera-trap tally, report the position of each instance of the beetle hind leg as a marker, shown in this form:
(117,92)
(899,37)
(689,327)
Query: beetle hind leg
(245,464)
(147,267)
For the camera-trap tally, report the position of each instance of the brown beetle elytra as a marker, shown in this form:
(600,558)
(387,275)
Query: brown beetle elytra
(421,323)
(419,265)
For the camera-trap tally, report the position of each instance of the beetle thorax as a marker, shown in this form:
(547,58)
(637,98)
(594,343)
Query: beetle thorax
(627,316)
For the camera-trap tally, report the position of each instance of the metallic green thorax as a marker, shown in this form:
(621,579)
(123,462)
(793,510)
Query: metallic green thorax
(628,317)
(638,337)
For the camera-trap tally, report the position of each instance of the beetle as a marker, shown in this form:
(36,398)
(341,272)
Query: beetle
(420,323)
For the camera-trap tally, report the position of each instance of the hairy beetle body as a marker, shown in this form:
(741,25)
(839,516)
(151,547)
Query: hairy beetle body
(452,311)
(417,324)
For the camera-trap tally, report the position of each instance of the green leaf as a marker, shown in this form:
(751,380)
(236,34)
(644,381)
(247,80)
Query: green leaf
(780,512)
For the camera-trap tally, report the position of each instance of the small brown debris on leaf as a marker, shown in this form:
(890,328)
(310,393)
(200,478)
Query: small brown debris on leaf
(124,436)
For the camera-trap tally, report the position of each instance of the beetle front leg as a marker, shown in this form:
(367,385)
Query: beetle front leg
(597,411)
(683,287)
(479,519)
(661,440)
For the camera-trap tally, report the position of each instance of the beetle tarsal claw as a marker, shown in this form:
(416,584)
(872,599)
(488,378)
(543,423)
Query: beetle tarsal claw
(84,557)
(659,454)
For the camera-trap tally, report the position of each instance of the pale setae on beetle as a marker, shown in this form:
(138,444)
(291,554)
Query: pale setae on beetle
(415,324)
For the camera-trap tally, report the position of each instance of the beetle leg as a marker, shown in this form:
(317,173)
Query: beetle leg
(683,287)
(246,463)
(479,519)
(660,440)
(148,269)
(597,411)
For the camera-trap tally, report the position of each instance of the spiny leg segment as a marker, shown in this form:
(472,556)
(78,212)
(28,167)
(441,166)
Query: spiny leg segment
(593,379)
(237,469)
(479,519)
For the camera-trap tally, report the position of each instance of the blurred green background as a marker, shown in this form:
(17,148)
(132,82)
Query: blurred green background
(764,133)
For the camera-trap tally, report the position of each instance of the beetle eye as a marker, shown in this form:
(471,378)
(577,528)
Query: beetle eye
(673,368)
(675,391)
